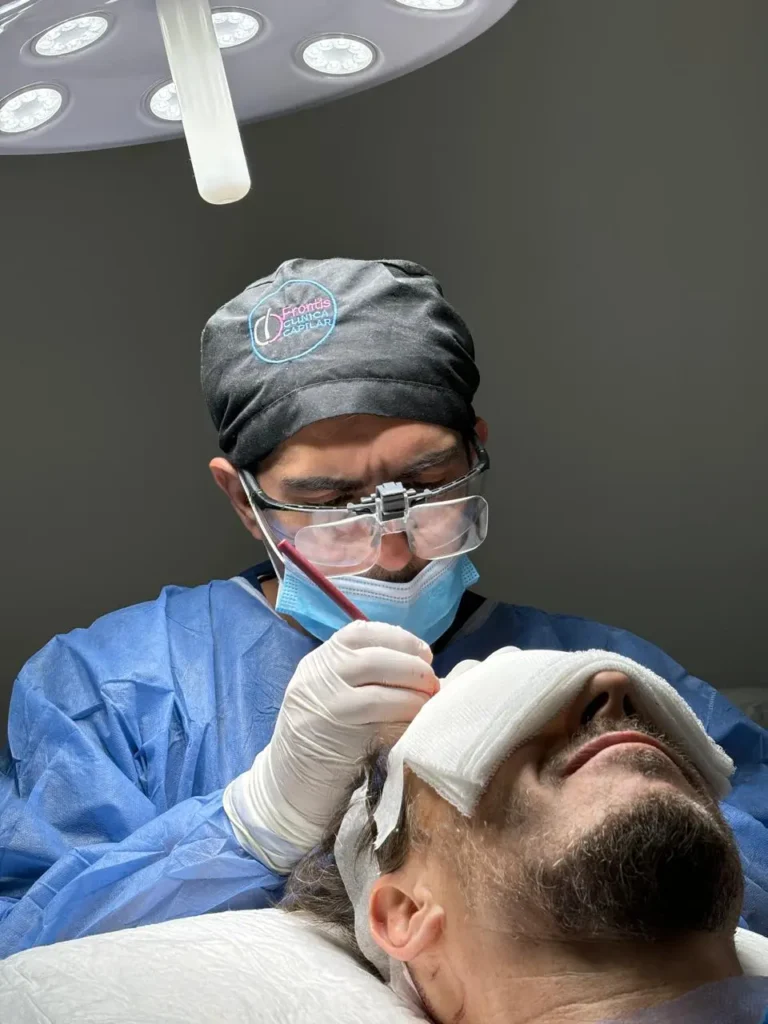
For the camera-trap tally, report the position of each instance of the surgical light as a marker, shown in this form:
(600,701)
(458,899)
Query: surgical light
(71,36)
(234,28)
(339,55)
(134,71)
(29,109)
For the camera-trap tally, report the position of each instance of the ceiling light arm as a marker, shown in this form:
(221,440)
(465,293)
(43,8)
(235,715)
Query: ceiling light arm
(207,113)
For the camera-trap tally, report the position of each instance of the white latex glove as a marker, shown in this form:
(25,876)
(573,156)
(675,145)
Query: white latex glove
(353,689)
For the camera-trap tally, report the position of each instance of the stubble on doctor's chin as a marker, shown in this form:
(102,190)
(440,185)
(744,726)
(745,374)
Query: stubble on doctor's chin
(662,868)
(404,575)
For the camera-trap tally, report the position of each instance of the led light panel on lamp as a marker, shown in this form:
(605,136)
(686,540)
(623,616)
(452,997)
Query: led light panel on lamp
(71,36)
(164,103)
(234,28)
(29,109)
(432,5)
(338,56)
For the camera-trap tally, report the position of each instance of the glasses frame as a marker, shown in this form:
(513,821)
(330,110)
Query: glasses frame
(388,501)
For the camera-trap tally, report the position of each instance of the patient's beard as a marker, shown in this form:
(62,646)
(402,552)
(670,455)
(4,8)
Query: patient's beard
(655,871)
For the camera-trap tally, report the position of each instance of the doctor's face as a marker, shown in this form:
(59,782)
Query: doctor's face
(341,460)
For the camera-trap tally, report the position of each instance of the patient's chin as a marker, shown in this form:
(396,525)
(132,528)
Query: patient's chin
(663,867)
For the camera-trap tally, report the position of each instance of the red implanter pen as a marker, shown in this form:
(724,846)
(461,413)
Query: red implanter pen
(286,548)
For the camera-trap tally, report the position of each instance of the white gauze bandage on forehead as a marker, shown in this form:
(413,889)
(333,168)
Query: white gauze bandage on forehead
(486,710)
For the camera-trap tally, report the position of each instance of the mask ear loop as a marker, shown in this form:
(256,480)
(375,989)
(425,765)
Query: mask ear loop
(266,534)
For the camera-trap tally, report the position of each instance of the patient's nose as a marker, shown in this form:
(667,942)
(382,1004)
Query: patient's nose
(607,695)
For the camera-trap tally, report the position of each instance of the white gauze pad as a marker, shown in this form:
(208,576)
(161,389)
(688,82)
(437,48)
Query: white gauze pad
(485,710)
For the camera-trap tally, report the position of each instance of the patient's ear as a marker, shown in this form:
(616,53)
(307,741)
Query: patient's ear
(405,921)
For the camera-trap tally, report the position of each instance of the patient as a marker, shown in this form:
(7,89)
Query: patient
(596,880)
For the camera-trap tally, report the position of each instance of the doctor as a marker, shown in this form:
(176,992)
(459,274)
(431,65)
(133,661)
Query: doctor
(179,756)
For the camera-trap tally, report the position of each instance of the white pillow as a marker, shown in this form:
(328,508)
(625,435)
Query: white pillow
(238,967)
(241,967)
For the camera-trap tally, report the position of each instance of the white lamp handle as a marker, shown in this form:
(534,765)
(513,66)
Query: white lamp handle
(207,114)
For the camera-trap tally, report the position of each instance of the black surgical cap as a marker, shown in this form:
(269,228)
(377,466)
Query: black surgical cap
(324,338)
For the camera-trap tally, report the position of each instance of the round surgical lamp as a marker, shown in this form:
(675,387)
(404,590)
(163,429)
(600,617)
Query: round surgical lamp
(75,76)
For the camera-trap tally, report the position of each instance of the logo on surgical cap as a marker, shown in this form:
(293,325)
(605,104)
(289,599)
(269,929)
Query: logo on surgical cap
(292,321)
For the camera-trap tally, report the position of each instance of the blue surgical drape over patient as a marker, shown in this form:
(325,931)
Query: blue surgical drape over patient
(124,735)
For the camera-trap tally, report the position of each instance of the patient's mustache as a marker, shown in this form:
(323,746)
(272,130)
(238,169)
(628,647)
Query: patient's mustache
(554,769)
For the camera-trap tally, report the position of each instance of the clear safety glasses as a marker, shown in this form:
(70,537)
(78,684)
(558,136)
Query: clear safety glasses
(438,523)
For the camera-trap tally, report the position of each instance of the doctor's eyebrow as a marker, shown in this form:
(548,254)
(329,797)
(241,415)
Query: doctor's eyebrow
(347,485)
(322,483)
(433,460)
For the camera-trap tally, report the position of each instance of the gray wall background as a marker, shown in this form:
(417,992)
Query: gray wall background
(589,182)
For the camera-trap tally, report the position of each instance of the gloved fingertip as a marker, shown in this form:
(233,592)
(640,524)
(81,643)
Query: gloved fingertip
(425,651)
(432,678)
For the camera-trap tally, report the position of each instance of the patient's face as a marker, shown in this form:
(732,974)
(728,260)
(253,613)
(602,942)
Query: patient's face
(597,826)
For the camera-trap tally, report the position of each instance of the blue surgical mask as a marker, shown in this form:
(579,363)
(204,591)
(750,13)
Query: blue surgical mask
(426,606)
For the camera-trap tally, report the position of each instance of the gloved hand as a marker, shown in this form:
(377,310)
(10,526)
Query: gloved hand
(368,678)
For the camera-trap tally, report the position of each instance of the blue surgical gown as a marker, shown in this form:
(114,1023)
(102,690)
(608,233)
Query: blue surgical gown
(123,736)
